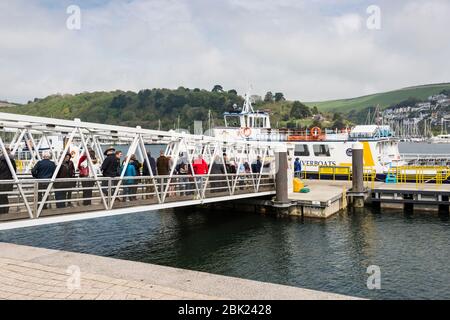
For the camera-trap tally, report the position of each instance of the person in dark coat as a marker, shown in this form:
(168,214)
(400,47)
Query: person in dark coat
(149,188)
(6,174)
(256,167)
(43,169)
(163,168)
(217,169)
(118,164)
(145,171)
(183,172)
(297,168)
(162,165)
(230,166)
(71,184)
(66,171)
(109,167)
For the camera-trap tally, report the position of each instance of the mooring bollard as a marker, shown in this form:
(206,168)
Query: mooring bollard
(358,175)
(281,203)
(282,177)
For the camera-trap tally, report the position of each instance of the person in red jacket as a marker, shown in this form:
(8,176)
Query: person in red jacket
(84,170)
(200,168)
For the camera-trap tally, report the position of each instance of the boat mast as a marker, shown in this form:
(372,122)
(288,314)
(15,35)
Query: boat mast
(247,104)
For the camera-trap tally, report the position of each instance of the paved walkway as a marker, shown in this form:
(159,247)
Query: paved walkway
(23,280)
(35,273)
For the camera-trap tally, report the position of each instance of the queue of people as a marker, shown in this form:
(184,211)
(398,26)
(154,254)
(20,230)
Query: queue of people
(183,183)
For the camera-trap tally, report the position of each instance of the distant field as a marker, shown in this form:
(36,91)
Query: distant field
(383,99)
(4,104)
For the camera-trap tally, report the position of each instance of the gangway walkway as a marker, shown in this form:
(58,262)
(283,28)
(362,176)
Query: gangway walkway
(31,198)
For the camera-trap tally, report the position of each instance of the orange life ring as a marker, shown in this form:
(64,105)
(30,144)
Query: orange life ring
(315,132)
(246,132)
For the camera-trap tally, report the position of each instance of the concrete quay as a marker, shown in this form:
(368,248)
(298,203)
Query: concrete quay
(325,199)
(35,273)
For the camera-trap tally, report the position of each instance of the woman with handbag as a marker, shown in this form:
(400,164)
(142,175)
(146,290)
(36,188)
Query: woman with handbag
(88,184)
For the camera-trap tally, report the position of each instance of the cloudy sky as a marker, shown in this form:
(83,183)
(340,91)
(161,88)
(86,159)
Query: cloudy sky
(310,50)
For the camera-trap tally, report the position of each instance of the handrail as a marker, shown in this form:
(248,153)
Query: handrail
(88,192)
(335,171)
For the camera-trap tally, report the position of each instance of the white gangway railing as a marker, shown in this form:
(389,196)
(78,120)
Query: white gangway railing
(34,196)
(77,195)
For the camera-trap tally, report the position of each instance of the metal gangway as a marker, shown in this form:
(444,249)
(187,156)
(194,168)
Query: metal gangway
(423,159)
(34,198)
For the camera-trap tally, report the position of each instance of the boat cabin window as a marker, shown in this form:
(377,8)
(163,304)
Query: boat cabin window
(301,150)
(233,121)
(258,122)
(321,150)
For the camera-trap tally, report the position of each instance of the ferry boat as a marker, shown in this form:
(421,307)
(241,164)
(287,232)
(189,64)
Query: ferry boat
(317,148)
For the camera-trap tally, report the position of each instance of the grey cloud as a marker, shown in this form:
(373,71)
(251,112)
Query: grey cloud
(309,50)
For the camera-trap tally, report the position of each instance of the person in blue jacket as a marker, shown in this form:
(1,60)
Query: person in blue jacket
(297,168)
(130,171)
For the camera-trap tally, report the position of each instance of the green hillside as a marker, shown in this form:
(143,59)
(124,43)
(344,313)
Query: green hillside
(151,108)
(148,108)
(383,99)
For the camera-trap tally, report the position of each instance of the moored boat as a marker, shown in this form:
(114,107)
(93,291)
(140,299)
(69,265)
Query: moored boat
(317,148)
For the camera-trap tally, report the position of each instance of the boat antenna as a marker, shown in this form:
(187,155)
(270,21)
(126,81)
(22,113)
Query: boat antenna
(247,103)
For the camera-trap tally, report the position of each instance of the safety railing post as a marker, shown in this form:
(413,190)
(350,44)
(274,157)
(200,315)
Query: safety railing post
(35,198)
(109,193)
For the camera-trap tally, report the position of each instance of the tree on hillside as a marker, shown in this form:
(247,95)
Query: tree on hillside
(232,91)
(119,102)
(158,96)
(144,98)
(315,110)
(217,88)
(268,97)
(337,116)
(279,97)
(299,110)
(316,123)
(339,124)
(174,101)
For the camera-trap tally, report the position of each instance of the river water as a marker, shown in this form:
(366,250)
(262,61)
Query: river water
(422,147)
(412,251)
